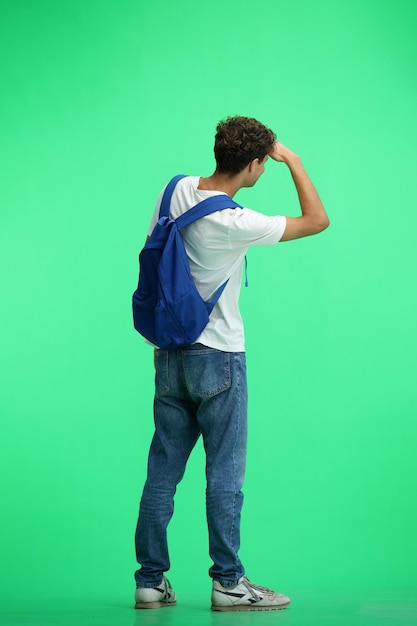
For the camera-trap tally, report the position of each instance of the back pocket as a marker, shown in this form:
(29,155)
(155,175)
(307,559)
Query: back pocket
(207,372)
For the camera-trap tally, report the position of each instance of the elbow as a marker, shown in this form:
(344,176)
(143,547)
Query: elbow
(322,224)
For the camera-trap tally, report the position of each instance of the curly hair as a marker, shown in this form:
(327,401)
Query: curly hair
(238,141)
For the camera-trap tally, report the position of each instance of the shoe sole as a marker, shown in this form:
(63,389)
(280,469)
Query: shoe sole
(153,605)
(249,607)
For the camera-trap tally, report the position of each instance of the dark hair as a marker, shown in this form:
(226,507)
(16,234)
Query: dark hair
(238,141)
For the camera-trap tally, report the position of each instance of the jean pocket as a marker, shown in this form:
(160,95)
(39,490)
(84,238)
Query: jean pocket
(207,372)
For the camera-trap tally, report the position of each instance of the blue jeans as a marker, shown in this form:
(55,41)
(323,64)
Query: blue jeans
(198,390)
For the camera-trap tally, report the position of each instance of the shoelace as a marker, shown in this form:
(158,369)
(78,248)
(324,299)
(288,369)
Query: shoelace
(265,590)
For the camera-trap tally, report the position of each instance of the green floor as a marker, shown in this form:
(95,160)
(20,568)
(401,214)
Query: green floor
(307,609)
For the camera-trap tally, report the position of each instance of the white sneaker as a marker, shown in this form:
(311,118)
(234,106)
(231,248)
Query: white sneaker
(155,597)
(246,597)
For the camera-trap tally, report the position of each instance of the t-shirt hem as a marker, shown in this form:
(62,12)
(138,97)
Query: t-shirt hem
(221,346)
(210,344)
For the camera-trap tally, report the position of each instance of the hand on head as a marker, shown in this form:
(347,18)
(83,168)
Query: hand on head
(281,153)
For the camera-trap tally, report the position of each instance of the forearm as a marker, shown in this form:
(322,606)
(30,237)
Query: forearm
(310,202)
(313,218)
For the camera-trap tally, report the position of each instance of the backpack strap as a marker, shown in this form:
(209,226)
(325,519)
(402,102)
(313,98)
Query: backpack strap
(217,295)
(205,207)
(166,198)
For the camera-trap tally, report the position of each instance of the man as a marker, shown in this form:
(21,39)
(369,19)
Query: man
(201,389)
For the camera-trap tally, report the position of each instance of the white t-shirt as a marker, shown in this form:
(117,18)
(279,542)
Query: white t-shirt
(216,246)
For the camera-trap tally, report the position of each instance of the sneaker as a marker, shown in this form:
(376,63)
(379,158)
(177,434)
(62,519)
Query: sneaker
(246,597)
(155,597)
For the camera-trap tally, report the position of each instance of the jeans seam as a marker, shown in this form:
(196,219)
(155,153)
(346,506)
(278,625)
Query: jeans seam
(237,373)
(160,389)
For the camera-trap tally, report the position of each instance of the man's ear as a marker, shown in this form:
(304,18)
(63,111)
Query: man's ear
(252,163)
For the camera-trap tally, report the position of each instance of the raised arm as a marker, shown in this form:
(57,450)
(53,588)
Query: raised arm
(313,218)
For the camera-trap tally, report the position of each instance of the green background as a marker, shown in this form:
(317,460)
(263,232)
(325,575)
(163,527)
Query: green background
(101,102)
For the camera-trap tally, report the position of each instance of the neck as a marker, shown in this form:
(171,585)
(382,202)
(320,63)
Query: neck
(227,183)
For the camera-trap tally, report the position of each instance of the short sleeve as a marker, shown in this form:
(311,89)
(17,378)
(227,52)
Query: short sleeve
(250,228)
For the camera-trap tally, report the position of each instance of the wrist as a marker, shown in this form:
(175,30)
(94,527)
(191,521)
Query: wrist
(293,160)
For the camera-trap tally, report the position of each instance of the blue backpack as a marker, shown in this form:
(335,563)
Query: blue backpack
(167,308)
